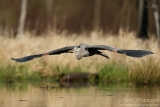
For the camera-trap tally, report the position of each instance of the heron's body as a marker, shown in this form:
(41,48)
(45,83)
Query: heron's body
(82,51)
(85,50)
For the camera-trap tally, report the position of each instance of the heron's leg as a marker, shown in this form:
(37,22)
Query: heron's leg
(102,54)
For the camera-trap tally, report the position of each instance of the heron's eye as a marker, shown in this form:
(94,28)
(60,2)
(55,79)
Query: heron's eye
(86,48)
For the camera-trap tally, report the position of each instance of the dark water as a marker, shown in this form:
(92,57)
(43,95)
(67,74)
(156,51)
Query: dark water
(113,95)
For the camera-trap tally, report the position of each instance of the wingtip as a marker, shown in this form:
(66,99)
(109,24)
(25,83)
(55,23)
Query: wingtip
(12,58)
(152,53)
(149,52)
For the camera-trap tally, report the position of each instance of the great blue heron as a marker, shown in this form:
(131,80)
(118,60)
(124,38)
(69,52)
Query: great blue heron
(85,50)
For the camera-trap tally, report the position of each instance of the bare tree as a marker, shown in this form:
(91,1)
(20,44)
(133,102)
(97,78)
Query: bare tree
(96,18)
(156,17)
(22,18)
(142,19)
(49,11)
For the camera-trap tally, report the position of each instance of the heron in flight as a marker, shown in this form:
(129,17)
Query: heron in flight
(85,50)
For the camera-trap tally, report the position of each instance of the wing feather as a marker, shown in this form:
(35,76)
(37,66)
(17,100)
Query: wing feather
(61,50)
(103,47)
(31,57)
(135,53)
(132,53)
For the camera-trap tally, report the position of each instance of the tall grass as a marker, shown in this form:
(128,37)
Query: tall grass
(52,65)
(12,73)
(148,72)
(113,73)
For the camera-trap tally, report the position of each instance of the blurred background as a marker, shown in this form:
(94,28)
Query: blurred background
(74,16)
(29,27)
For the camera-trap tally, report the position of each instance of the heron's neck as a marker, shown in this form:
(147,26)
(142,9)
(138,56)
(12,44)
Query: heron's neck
(78,54)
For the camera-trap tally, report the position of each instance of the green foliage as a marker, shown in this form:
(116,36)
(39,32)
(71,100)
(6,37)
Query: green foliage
(65,69)
(148,73)
(113,73)
(19,73)
(35,76)
(57,70)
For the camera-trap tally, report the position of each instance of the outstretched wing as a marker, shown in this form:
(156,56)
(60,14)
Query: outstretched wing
(57,51)
(132,53)
(27,58)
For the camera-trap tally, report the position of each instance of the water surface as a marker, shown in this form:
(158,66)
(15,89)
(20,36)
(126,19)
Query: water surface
(113,95)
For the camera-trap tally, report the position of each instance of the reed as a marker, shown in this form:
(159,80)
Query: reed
(113,73)
(52,65)
(11,74)
(148,72)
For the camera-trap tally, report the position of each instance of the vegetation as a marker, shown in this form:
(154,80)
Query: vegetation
(148,73)
(113,73)
(118,68)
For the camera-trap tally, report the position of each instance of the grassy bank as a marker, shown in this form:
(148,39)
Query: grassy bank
(119,68)
(109,73)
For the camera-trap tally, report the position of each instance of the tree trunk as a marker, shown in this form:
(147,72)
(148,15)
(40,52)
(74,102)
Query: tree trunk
(96,18)
(22,18)
(49,12)
(142,19)
(156,18)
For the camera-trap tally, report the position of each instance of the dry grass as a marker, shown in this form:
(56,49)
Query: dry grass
(146,72)
(30,44)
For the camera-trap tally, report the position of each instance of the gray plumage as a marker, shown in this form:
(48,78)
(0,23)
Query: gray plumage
(85,50)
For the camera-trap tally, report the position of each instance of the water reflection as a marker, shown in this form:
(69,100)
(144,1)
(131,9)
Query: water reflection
(113,95)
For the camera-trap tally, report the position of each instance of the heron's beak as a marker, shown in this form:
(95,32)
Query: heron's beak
(71,51)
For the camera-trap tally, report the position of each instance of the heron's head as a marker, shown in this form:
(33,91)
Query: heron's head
(74,50)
